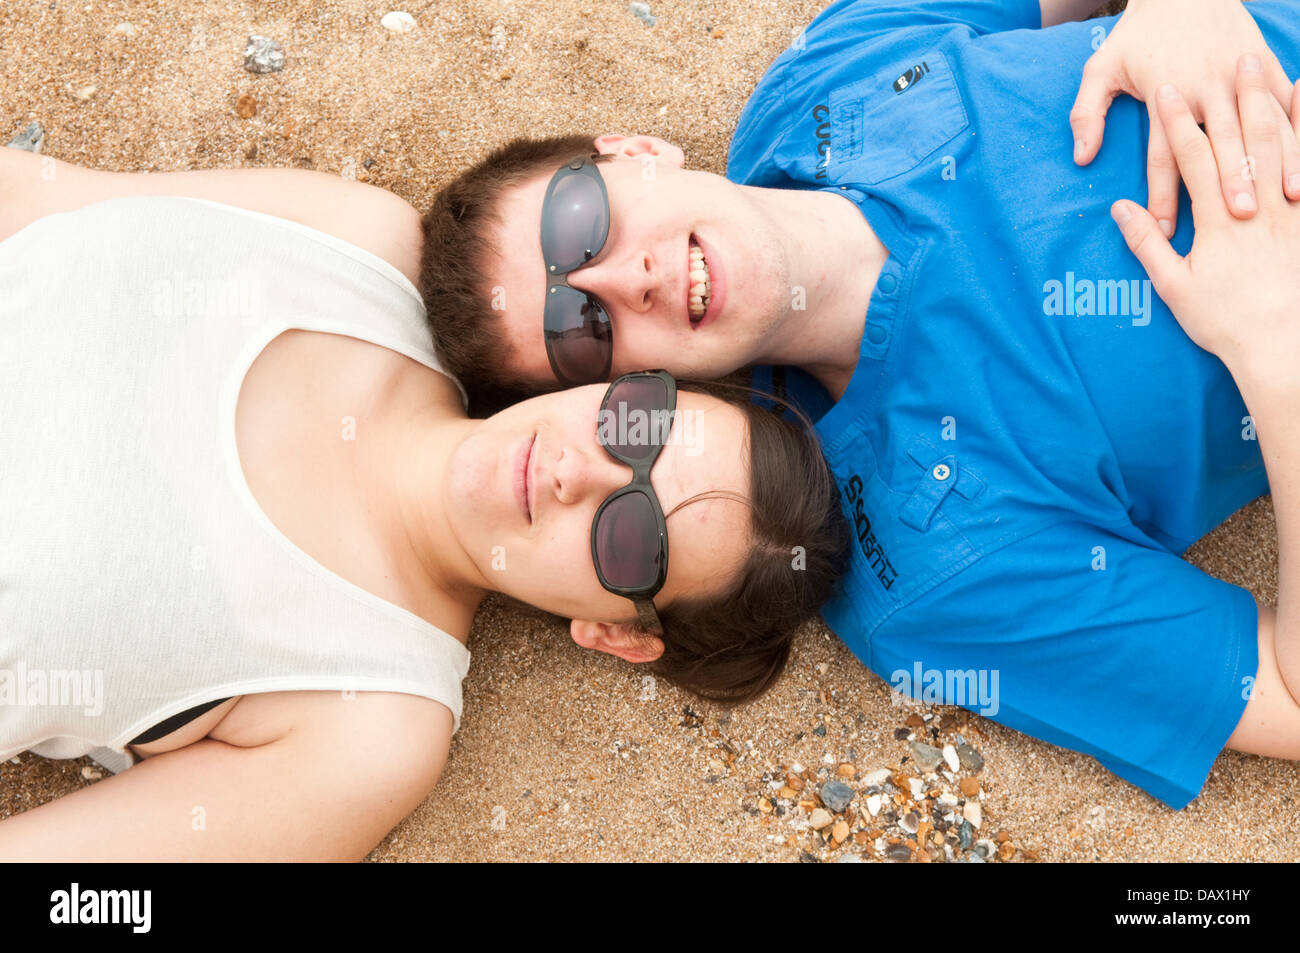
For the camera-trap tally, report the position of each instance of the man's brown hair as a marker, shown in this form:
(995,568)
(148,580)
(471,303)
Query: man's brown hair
(453,276)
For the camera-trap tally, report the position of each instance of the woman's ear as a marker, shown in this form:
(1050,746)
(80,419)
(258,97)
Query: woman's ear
(633,146)
(617,638)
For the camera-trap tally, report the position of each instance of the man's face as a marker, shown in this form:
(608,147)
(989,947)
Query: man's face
(642,275)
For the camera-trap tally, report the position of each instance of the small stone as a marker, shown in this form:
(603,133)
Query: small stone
(901,734)
(927,756)
(823,668)
(915,721)
(846,770)
(263,55)
(950,755)
(91,774)
(910,822)
(125,29)
(718,33)
(985,848)
(642,12)
(245,107)
(250,151)
(821,818)
(971,811)
(947,799)
(974,858)
(873,778)
(397,21)
(898,852)
(85,92)
(765,805)
(970,787)
(836,795)
(793,780)
(31,139)
(1002,837)
(848,858)
(840,832)
(965,835)
(786,791)
(873,805)
(1006,850)
(969,757)
(820,731)
(917,788)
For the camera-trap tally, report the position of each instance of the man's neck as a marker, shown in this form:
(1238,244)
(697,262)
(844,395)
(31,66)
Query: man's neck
(834,260)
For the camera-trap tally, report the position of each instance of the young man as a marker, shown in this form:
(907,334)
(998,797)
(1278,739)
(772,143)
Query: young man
(1024,438)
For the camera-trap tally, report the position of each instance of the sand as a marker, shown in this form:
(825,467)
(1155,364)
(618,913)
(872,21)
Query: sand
(562,754)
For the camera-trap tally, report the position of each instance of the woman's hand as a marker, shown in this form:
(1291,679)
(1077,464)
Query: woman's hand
(1193,44)
(1237,293)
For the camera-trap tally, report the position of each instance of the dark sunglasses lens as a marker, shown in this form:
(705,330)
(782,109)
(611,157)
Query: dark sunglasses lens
(574,221)
(628,551)
(636,420)
(578,336)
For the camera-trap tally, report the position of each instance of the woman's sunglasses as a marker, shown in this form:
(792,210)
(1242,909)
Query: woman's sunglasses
(629,536)
(575,224)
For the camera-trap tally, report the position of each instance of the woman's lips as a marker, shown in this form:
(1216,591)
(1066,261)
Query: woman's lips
(521,477)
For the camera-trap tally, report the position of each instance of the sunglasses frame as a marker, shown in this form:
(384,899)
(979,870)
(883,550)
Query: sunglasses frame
(641,596)
(555,279)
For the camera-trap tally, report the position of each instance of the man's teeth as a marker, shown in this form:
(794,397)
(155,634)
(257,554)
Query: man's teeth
(700,285)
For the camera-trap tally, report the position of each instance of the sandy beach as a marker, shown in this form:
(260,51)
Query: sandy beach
(564,755)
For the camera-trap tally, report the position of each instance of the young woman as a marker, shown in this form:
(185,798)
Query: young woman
(247,523)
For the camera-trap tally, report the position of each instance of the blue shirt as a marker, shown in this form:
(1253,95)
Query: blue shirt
(1029,441)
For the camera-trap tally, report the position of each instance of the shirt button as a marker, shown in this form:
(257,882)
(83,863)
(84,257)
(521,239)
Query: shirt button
(888,283)
(875,334)
(941,471)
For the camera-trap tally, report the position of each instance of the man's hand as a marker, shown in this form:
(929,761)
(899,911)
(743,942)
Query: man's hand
(1193,44)
(1237,293)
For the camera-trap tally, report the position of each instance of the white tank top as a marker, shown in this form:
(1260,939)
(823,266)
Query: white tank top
(138,575)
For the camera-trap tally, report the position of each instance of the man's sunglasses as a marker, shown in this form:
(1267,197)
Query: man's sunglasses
(575,224)
(629,536)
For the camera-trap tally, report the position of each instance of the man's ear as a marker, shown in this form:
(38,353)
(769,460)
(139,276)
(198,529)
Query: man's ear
(633,146)
(617,638)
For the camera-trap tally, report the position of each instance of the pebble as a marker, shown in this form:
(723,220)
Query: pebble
(873,805)
(901,734)
(970,787)
(1006,851)
(642,12)
(31,139)
(927,756)
(91,774)
(947,799)
(263,55)
(969,757)
(984,847)
(876,777)
(916,787)
(398,21)
(965,835)
(836,795)
(245,107)
(848,859)
(85,92)
(898,852)
(974,859)
(125,29)
(821,818)
(972,813)
(950,755)
(846,770)
(909,822)
(840,832)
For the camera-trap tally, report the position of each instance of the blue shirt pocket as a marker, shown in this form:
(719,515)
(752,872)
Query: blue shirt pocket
(889,122)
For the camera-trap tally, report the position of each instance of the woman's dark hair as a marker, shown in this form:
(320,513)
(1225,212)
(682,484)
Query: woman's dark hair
(731,648)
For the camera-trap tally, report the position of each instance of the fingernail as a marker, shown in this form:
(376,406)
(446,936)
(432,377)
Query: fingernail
(1251,64)
(1293,182)
(1167,91)
(1121,212)
(1167,227)
(1078,149)
(1244,201)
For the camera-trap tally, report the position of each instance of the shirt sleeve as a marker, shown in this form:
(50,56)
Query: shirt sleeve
(867,18)
(1096,640)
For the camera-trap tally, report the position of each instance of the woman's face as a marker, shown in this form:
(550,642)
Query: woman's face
(525,485)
